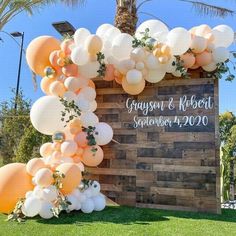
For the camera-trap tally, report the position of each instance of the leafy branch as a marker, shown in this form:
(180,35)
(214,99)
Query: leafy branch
(145,41)
(71,109)
(90,135)
(180,67)
(102,66)
(17,214)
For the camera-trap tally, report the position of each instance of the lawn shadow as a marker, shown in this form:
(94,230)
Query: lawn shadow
(130,215)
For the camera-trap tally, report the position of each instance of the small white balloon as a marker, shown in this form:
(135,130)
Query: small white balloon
(134,76)
(95,188)
(88,193)
(38,191)
(88,93)
(46,210)
(138,54)
(32,206)
(82,198)
(103,133)
(78,206)
(93,106)
(99,202)
(88,119)
(125,65)
(83,104)
(80,56)
(50,193)
(170,66)
(209,68)
(80,36)
(140,66)
(101,30)
(69,96)
(220,54)
(151,62)
(73,202)
(87,206)
(89,70)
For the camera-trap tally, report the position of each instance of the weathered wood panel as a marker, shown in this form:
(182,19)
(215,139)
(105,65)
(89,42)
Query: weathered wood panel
(162,167)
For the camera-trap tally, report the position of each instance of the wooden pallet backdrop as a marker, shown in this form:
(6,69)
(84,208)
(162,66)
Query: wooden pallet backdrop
(160,167)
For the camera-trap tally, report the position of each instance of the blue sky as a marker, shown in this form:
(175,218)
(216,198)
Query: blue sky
(175,13)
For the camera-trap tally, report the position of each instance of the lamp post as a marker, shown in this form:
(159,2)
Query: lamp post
(64,27)
(15,35)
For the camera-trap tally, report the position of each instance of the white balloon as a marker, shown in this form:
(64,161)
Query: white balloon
(29,194)
(83,104)
(140,66)
(72,84)
(154,26)
(93,106)
(78,206)
(38,191)
(87,206)
(101,30)
(151,62)
(82,198)
(88,193)
(45,115)
(179,40)
(99,203)
(67,160)
(90,69)
(69,96)
(83,82)
(80,56)
(88,93)
(161,37)
(220,54)
(45,211)
(209,68)
(138,54)
(88,119)
(223,36)
(103,133)
(155,76)
(170,66)
(125,65)
(122,46)
(176,73)
(134,76)
(95,188)
(111,33)
(32,206)
(73,200)
(80,36)
(50,193)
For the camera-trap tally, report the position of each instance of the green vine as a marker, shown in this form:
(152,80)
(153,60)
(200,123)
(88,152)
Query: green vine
(17,214)
(90,135)
(61,204)
(144,42)
(71,109)
(102,66)
(180,68)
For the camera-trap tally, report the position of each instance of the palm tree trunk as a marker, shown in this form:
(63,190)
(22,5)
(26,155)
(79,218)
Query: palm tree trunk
(126,16)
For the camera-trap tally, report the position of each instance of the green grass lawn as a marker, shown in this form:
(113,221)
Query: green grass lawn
(126,221)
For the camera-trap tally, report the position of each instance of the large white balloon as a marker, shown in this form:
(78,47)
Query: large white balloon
(88,119)
(80,36)
(111,33)
(99,202)
(101,30)
(179,39)
(80,56)
(154,26)
(87,206)
(46,210)
(220,54)
(152,62)
(103,133)
(83,104)
(45,115)
(32,206)
(223,36)
(155,76)
(122,46)
(89,70)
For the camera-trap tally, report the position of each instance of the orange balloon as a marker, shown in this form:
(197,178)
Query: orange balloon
(72,177)
(53,58)
(14,183)
(195,66)
(91,84)
(44,177)
(34,165)
(70,70)
(92,156)
(45,84)
(81,139)
(38,52)
(109,75)
(188,60)
(204,58)
(133,89)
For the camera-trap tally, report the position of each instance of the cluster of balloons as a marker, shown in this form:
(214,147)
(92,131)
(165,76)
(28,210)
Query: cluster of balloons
(41,200)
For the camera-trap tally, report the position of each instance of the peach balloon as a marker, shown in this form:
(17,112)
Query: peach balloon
(198,44)
(93,44)
(53,58)
(56,155)
(14,183)
(203,59)
(57,88)
(45,84)
(66,46)
(195,66)
(109,75)
(44,177)
(72,177)
(133,89)
(92,156)
(46,149)
(70,70)
(188,60)
(75,126)
(79,151)
(38,52)
(81,139)
(68,148)
(56,146)
(34,165)
(91,84)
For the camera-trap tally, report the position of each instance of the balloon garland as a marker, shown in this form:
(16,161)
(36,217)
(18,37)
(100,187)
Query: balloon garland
(54,182)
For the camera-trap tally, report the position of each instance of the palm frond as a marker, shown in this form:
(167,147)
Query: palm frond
(206,9)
